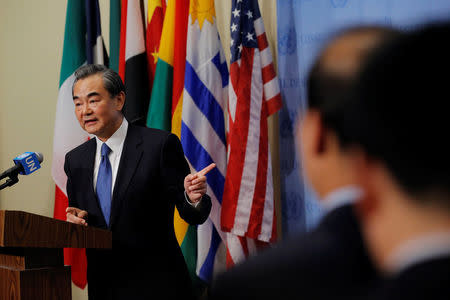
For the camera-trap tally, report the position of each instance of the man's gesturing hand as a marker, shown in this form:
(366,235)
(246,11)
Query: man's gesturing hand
(76,215)
(195,184)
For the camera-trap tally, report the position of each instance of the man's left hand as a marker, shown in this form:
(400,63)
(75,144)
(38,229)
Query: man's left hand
(195,184)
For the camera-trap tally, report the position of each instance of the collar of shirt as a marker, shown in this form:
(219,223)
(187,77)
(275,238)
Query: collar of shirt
(115,142)
(339,197)
(417,250)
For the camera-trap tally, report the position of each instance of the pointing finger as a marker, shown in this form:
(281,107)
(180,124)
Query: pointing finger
(207,169)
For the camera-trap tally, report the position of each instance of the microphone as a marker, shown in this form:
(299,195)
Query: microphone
(25,164)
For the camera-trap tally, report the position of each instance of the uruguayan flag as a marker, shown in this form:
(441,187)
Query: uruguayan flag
(203,123)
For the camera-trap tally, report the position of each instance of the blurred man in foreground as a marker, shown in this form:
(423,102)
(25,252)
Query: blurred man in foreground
(398,124)
(331,261)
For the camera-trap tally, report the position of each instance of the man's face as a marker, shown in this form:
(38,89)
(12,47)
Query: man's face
(97,112)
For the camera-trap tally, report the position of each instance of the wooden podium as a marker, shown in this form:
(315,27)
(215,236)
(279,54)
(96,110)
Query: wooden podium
(31,254)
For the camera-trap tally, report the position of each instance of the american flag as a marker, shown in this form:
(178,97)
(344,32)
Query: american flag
(248,210)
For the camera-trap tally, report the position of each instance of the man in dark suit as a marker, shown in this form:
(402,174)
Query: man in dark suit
(331,262)
(128,179)
(399,125)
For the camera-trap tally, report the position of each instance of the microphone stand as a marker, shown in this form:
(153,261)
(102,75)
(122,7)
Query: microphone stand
(12,179)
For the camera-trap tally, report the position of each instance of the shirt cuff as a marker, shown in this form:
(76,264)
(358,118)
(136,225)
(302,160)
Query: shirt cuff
(189,201)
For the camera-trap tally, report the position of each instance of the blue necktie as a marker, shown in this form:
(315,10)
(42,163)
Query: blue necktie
(104,180)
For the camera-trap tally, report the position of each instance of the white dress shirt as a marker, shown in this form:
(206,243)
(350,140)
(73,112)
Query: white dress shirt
(339,197)
(115,143)
(417,250)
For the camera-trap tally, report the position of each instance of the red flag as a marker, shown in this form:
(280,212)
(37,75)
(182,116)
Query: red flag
(248,210)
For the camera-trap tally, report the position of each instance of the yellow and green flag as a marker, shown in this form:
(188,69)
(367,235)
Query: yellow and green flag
(166,104)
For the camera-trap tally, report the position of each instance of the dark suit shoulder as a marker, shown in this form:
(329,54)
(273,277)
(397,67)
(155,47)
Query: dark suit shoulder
(151,135)
(425,280)
(81,149)
(150,131)
(319,263)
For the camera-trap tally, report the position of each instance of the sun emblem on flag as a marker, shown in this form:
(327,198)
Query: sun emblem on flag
(202,10)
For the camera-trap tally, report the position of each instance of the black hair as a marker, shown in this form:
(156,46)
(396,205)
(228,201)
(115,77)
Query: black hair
(397,112)
(327,90)
(111,80)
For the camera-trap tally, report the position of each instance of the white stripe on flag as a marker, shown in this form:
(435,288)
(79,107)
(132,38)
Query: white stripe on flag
(232,102)
(271,88)
(214,215)
(98,51)
(68,133)
(204,234)
(209,74)
(259,26)
(267,220)
(235,249)
(266,57)
(250,170)
(135,43)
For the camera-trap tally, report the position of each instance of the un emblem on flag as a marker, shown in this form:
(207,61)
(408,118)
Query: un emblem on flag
(338,3)
(287,41)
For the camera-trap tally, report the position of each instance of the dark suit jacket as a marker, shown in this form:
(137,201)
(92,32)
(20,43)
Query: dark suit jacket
(426,280)
(330,262)
(145,259)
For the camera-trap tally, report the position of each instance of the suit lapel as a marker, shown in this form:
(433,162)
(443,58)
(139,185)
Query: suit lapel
(88,162)
(129,160)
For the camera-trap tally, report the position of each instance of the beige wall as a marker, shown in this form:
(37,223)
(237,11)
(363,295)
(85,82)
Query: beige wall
(31,40)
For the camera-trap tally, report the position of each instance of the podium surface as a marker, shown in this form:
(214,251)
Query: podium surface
(31,254)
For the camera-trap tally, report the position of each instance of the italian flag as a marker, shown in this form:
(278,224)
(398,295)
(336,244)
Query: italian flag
(82,44)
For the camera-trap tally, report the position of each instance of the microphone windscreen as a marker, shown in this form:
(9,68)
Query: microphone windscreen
(39,156)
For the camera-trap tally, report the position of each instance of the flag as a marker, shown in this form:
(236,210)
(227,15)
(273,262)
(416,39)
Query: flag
(248,210)
(165,107)
(155,19)
(83,43)
(133,61)
(203,121)
(164,111)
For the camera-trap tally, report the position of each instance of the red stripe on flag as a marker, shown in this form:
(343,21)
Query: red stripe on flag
(234,76)
(123,34)
(74,257)
(229,260)
(61,203)
(274,104)
(238,135)
(179,53)
(262,41)
(268,73)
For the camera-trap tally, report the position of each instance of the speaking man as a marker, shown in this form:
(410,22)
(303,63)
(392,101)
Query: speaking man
(129,179)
